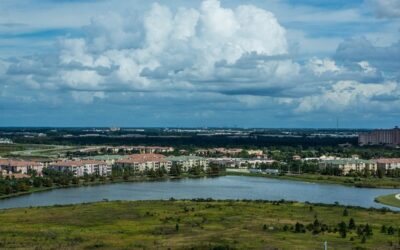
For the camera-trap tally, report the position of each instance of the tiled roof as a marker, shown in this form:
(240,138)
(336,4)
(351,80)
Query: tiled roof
(142,158)
(78,163)
(388,160)
(185,158)
(19,163)
(348,161)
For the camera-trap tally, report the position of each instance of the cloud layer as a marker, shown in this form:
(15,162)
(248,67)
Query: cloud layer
(385,8)
(208,62)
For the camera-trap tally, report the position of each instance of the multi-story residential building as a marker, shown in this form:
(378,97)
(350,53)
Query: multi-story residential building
(252,163)
(187,162)
(241,162)
(142,162)
(345,165)
(81,167)
(380,137)
(4,174)
(228,151)
(255,152)
(153,149)
(224,162)
(388,163)
(21,166)
(222,151)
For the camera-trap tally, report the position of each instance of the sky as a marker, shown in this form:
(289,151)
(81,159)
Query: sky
(210,63)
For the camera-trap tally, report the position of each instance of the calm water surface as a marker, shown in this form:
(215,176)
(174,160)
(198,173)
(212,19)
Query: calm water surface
(227,187)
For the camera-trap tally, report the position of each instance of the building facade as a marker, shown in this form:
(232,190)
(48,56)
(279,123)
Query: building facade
(388,163)
(143,162)
(81,167)
(188,162)
(346,165)
(21,166)
(380,137)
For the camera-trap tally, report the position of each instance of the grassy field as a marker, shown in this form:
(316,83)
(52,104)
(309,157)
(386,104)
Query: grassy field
(390,200)
(41,151)
(370,182)
(190,225)
(5,149)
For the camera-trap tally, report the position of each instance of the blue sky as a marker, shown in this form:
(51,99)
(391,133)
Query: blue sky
(255,63)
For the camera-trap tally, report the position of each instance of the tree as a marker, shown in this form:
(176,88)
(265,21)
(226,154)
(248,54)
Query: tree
(383,229)
(299,228)
(390,230)
(316,227)
(345,212)
(342,229)
(37,182)
(47,182)
(364,239)
(352,224)
(125,176)
(380,172)
(368,230)
(75,181)
(196,170)
(175,170)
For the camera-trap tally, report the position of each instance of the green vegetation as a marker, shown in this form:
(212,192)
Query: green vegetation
(366,182)
(5,149)
(51,179)
(390,200)
(198,224)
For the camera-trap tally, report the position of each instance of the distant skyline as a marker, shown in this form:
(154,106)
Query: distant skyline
(177,63)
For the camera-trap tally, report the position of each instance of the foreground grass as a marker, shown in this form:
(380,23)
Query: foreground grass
(371,182)
(189,225)
(390,200)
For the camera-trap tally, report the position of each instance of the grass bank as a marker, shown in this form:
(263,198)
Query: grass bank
(202,224)
(371,182)
(390,200)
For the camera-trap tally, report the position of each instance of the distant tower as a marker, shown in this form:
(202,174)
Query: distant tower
(337,123)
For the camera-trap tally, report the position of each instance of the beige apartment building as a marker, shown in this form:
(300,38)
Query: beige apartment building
(81,167)
(188,162)
(346,165)
(142,162)
(388,163)
(20,166)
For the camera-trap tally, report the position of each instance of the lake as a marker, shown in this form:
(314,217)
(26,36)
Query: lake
(226,187)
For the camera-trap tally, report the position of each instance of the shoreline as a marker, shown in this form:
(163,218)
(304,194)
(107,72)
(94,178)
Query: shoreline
(119,180)
(205,200)
(319,179)
(300,178)
(389,200)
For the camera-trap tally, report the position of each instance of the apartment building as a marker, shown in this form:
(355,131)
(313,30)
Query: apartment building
(255,152)
(241,162)
(221,151)
(388,163)
(188,162)
(20,166)
(380,137)
(153,149)
(348,164)
(253,163)
(142,162)
(81,167)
